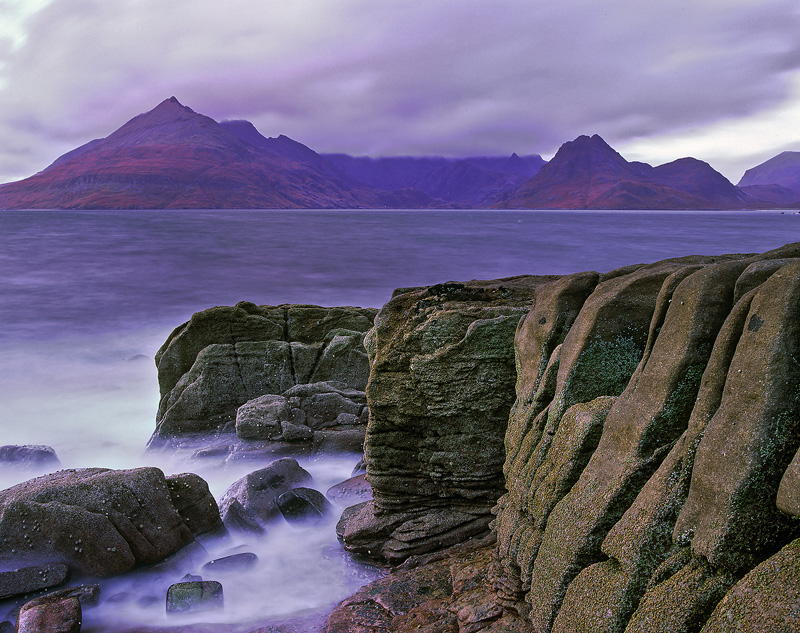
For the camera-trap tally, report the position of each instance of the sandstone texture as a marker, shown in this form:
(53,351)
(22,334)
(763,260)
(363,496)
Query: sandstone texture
(102,522)
(245,369)
(53,615)
(440,389)
(652,461)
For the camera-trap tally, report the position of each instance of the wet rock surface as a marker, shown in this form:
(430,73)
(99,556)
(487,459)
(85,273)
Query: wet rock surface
(250,503)
(200,595)
(50,615)
(99,522)
(304,505)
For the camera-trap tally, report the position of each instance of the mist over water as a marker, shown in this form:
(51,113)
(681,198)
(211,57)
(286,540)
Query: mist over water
(88,297)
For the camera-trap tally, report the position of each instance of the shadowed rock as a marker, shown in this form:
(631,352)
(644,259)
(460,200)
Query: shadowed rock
(250,503)
(303,505)
(101,522)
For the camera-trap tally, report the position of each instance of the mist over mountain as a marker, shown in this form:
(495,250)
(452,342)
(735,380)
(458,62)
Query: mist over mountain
(174,157)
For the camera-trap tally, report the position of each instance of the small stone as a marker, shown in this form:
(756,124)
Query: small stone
(194,596)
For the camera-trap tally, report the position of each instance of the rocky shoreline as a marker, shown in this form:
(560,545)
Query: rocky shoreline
(591,452)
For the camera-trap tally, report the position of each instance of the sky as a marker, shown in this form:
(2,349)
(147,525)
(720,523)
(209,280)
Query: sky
(657,79)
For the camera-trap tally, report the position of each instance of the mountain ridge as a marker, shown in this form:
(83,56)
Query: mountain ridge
(175,157)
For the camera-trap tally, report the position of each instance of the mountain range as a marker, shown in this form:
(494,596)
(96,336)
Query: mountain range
(173,157)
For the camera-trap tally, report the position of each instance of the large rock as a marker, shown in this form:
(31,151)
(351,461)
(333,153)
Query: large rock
(440,389)
(32,578)
(226,356)
(98,521)
(655,420)
(651,462)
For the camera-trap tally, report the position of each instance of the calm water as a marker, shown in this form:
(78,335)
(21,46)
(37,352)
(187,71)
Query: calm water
(86,298)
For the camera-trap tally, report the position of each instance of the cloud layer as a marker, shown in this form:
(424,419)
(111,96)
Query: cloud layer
(451,77)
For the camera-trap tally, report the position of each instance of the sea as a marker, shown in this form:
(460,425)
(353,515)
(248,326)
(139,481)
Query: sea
(88,297)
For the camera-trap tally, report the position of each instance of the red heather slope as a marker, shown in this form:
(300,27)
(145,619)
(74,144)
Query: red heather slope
(588,174)
(172,157)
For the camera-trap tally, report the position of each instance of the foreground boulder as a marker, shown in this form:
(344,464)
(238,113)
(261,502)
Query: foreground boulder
(440,390)
(100,522)
(227,356)
(50,615)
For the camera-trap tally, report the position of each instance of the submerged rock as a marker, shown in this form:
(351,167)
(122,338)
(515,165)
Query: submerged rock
(233,562)
(303,505)
(29,457)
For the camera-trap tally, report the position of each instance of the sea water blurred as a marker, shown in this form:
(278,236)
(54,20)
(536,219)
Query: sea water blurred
(87,297)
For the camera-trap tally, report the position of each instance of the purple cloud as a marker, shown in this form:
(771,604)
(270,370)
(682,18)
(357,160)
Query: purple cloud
(444,77)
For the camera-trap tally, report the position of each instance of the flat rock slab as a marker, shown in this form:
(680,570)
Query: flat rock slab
(234,562)
(33,578)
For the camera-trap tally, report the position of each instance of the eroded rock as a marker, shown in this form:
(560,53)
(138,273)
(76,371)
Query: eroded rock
(226,356)
(440,389)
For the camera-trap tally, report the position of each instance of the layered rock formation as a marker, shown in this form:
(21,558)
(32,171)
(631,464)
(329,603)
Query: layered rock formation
(288,365)
(440,389)
(651,461)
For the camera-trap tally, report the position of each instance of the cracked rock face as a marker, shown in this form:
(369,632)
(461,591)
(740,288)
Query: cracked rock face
(225,357)
(439,393)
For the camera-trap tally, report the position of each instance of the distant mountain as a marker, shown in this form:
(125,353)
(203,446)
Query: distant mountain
(588,174)
(782,170)
(468,181)
(172,157)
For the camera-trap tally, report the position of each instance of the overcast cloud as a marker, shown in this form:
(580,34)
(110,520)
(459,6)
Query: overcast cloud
(715,79)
